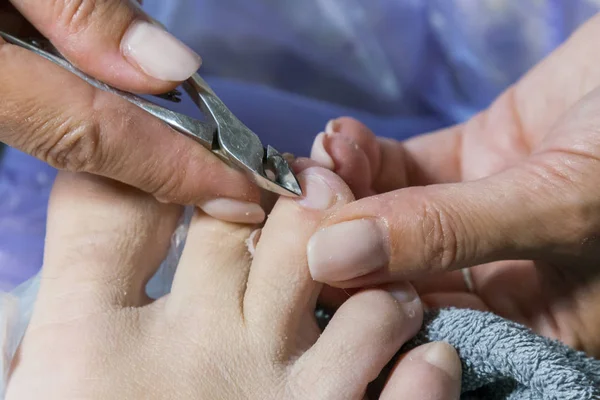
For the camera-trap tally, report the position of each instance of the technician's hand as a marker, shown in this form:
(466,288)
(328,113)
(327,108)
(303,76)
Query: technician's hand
(520,181)
(56,117)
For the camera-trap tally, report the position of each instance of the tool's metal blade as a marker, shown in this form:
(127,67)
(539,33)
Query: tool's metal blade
(284,176)
(241,147)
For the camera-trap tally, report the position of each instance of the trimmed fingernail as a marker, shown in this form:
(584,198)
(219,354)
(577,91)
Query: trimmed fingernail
(318,195)
(443,356)
(332,127)
(158,53)
(346,251)
(319,152)
(234,211)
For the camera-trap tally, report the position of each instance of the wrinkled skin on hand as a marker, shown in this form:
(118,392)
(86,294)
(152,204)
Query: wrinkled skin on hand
(517,182)
(61,120)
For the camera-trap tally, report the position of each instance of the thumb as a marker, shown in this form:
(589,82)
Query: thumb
(517,214)
(114,41)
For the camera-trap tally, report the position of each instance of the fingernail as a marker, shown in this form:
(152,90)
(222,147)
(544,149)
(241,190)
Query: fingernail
(346,251)
(158,53)
(319,152)
(234,211)
(332,127)
(443,356)
(318,195)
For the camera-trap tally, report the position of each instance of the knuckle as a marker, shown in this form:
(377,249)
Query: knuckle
(164,183)
(74,148)
(77,15)
(439,229)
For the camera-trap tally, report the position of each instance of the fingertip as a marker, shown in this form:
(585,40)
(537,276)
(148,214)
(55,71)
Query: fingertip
(158,53)
(116,42)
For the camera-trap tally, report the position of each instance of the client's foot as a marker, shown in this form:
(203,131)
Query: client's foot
(233,327)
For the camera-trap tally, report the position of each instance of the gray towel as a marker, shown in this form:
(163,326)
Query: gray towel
(504,360)
(501,360)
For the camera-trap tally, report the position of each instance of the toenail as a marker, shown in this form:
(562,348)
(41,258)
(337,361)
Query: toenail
(443,356)
(402,292)
(289,157)
(318,195)
(332,127)
(319,152)
(347,250)
(407,297)
(234,211)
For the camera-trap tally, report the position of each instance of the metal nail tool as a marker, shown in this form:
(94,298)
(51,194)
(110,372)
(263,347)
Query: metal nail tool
(224,134)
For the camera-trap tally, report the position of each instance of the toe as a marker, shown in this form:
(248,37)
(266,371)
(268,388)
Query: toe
(280,288)
(431,371)
(351,150)
(356,132)
(104,242)
(213,269)
(362,337)
(351,164)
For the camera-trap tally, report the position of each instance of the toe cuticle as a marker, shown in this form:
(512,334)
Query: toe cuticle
(443,356)
(319,195)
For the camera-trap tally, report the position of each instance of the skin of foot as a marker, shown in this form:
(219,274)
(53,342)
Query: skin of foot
(234,326)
